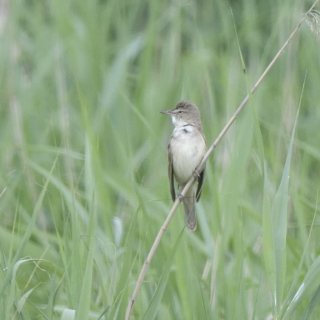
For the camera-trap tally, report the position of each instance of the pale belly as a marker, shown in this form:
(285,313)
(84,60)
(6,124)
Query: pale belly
(188,149)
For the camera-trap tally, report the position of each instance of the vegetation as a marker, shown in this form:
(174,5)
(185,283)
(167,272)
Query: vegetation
(83,167)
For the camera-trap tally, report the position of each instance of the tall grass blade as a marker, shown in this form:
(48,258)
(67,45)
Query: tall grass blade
(309,288)
(27,234)
(154,305)
(275,232)
(85,297)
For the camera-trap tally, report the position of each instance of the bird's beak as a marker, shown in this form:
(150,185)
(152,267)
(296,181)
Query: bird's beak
(166,112)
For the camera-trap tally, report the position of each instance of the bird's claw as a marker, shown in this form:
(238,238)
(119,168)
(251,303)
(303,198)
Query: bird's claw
(181,197)
(196,174)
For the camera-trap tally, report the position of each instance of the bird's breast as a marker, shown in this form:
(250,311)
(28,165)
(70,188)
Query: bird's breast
(188,147)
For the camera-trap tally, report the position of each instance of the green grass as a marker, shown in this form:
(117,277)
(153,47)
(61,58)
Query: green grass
(83,167)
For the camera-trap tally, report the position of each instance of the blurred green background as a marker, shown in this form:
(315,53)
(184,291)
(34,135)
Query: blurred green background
(83,171)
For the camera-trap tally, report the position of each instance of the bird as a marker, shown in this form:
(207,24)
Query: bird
(186,149)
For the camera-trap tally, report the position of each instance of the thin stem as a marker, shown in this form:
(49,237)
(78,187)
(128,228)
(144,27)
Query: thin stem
(151,254)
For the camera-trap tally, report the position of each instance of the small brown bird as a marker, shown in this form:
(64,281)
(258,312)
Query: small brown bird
(186,149)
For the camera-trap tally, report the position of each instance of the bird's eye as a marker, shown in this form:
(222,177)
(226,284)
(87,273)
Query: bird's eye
(180,111)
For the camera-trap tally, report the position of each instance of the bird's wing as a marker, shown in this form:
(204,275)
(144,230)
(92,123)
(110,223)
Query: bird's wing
(201,176)
(170,173)
(200,183)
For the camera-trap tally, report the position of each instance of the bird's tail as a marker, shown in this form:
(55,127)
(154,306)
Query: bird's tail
(189,209)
